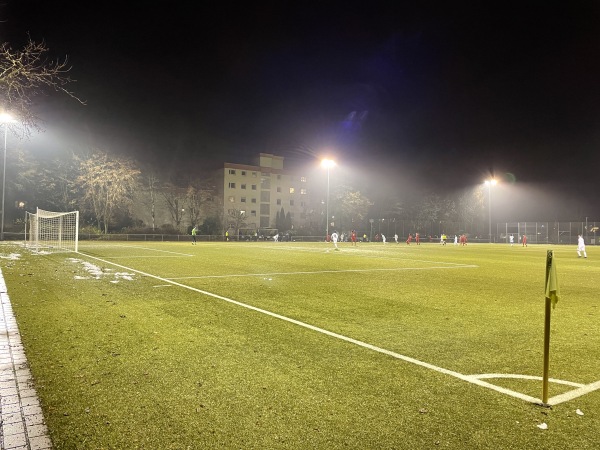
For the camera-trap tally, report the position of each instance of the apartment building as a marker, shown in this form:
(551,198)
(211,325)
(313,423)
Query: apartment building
(258,192)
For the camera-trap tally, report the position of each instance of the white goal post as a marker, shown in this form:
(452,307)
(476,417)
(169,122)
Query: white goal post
(52,231)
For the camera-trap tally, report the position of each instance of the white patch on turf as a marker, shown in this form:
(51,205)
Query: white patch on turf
(97,273)
(473,379)
(12,256)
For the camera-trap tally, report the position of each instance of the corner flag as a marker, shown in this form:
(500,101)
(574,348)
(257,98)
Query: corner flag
(551,281)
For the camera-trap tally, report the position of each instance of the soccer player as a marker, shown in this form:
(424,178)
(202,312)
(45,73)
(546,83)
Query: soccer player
(524,241)
(194,231)
(511,238)
(383,238)
(581,246)
(417,239)
(353,237)
(334,239)
(409,239)
(396,237)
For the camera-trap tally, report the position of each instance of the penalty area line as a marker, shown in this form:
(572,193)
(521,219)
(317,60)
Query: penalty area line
(473,379)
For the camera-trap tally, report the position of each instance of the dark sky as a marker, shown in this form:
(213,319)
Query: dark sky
(441,93)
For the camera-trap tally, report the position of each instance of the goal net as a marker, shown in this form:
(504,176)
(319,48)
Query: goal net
(52,231)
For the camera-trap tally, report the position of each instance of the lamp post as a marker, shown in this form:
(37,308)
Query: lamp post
(328,164)
(5,119)
(489,184)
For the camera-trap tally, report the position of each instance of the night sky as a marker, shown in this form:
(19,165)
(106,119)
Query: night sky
(440,97)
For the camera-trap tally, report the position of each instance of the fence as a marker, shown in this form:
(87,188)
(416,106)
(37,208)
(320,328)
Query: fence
(536,232)
(548,232)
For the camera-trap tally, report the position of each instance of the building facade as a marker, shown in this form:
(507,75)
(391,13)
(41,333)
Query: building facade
(253,195)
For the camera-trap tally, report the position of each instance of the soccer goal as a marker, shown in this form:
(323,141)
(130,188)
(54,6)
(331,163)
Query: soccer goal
(52,231)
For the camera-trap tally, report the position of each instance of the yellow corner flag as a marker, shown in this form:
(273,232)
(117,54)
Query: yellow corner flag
(551,280)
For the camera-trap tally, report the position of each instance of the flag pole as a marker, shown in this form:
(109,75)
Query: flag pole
(546,351)
(551,300)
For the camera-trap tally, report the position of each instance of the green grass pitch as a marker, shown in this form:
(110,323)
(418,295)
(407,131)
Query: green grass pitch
(295,345)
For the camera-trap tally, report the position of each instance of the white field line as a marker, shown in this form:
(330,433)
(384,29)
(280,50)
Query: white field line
(474,379)
(368,253)
(156,256)
(321,271)
(137,247)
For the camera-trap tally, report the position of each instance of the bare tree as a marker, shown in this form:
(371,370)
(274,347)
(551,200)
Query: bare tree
(108,184)
(236,219)
(151,186)
(350,207)
(26,74)
(470,206)
(175,200)
(195,198)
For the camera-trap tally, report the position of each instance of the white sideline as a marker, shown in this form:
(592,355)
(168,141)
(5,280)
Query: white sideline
(473,379)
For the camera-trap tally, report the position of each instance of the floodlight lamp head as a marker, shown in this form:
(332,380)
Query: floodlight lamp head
(328,163)
(6,118)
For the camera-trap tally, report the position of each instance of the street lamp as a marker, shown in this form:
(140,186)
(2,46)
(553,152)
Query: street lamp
(328,164)
(5,119)
(489,184)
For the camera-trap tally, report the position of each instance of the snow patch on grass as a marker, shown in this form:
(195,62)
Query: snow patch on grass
(97,273)
(12,256)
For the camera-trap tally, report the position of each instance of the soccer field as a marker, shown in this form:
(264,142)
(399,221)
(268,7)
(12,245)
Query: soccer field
(296,345)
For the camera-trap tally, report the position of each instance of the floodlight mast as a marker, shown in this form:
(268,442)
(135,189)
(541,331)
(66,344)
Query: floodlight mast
(5,119)
(489,184)
(328,164)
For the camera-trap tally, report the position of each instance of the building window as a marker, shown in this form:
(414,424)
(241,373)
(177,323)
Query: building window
(253,187)
(292,190)
(302,191)
(231,171)
(243,200)
(265,197)
(265,183)
(279,177)
(231,199)
(254,174)
(253,213)
(303,179)
(279,201)
(291,202)
(278,188)
(253,200)
(243,186)
(243,173)
(232,185)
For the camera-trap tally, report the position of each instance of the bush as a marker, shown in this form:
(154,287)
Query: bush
(90,229)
